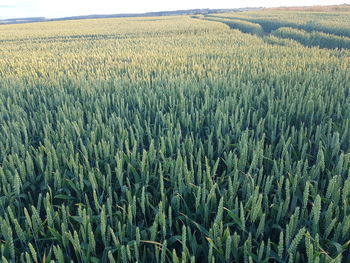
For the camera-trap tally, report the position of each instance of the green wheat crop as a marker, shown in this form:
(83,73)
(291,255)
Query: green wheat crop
(175,139)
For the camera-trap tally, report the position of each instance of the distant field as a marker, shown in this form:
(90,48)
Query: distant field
(322,29)
(219,138)
(329,8)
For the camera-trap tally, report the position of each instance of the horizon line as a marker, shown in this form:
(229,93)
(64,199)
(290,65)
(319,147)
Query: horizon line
(135,14)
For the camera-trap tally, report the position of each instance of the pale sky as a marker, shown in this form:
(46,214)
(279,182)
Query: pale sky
(60,8)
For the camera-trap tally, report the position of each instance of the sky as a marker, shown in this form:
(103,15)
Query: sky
(61,8)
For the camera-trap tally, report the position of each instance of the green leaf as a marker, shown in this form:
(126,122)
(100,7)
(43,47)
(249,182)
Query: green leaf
(64,197)
(201,228)
(235,218)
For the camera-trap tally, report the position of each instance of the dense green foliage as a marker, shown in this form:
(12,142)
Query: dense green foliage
(244,26)
(171,140)
(336,23)
(321,29)
(314,38)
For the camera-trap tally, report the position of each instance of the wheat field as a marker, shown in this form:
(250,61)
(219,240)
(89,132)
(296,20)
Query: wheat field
(176,139)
